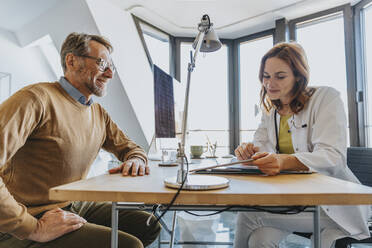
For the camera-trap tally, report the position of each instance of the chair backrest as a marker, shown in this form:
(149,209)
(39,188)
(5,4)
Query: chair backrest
(359,160)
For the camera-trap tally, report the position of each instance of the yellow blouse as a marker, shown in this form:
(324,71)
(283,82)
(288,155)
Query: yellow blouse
(285,138)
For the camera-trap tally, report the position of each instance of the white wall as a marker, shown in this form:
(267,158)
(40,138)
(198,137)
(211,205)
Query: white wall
(26,64)
(130,60)
(75,16)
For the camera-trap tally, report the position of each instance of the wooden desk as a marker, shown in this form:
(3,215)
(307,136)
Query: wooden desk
(246,190)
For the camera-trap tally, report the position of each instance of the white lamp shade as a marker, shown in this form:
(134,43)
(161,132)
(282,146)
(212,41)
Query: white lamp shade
(210,42)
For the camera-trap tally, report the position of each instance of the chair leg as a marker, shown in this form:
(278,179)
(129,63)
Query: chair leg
(347,242)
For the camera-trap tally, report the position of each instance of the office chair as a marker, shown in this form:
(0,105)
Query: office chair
(359,160)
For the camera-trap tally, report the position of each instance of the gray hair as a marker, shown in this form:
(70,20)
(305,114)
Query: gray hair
(78,44)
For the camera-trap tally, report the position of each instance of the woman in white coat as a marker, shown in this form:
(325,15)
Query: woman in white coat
(302,128)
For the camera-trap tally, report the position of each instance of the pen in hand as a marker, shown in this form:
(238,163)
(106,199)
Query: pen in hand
(222,165)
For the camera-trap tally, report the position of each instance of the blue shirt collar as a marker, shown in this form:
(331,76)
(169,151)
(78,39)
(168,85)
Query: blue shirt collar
(73,92)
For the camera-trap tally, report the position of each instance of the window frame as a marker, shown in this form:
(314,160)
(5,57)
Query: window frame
(356,134)
(172,50)
(235,122)
(360,70)
(285,30)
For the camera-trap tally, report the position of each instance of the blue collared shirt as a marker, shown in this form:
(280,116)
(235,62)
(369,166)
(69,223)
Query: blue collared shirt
(73,92)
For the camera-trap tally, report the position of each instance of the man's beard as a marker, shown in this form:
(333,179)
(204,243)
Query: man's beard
(91,84)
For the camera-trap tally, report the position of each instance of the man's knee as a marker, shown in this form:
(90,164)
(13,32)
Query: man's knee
(94,236)
(126,240)
(101,237)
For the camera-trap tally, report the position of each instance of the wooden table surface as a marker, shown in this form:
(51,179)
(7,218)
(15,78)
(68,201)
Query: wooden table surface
(281,190)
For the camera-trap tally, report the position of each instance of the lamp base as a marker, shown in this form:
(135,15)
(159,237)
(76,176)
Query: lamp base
(198,182)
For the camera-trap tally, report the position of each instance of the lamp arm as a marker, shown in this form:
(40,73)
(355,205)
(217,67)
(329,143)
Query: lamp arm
(182,173)
(197,48)
(190,69)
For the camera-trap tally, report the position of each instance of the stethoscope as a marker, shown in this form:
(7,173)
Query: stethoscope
(293,124)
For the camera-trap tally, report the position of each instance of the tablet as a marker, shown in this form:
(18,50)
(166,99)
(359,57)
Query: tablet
(243,169)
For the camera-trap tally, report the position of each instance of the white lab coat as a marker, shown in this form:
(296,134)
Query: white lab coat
(319,141)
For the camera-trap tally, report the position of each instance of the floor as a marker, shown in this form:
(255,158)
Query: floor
(219,228)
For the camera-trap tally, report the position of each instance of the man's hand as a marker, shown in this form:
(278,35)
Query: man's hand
(133,166)
(269,163)
(245,151)
(55,223)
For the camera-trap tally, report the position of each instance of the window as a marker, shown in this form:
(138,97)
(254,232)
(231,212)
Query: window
(250,54)
(208,116)
(157,44)
(367,17)
(325,51)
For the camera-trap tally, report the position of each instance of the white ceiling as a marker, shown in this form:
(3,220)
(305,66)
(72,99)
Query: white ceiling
(231,18)
(16,13)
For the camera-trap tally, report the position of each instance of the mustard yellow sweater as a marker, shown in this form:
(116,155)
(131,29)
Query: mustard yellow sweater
(47,139)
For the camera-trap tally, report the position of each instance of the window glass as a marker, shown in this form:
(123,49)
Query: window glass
(250,54)
(158,45)
(325,51)
(208,117)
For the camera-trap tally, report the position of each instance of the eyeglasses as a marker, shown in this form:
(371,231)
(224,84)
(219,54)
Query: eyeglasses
(103,65)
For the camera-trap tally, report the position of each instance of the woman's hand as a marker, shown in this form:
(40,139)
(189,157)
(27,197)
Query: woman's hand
(272,164)
(245,151)
(269,163)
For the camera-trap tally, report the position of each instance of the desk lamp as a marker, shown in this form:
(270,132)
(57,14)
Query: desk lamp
(206,41)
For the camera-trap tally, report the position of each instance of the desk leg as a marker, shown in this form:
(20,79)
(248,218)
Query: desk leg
(114,225)
(173,229)
(316,227)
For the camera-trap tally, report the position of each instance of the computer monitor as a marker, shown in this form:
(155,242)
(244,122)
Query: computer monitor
(164,104)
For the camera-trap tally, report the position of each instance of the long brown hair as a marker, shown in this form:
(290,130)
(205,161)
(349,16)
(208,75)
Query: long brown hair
(294,55)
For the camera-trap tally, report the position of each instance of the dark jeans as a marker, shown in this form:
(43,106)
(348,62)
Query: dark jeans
(96,233)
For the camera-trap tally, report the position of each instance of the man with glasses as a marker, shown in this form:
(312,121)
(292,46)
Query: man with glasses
(50,134)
